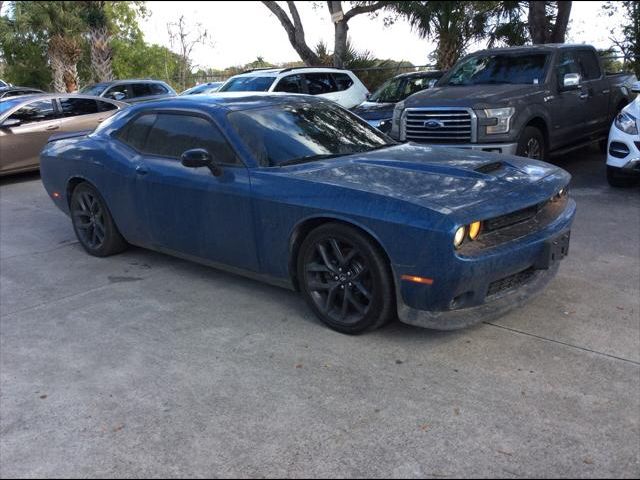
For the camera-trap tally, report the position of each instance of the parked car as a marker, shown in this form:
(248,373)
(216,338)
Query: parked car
(203,88)
(377,110)
(297,191)
(130,91)
(27,122)
(7,92)
(623,149)
(532,101)
(340,86)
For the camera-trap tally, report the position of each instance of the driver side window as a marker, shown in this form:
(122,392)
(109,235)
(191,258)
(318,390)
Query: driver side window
(118,92)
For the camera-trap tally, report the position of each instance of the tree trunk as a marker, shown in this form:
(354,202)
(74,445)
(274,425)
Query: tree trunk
(101,54)
(295,31)
(448,50)
(341,30)
(538,21)
(64,54)
(57,69)
(562,22)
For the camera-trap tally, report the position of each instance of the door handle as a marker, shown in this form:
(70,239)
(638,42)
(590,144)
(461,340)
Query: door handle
(584,96)
(52,127)
(605,91)
(141,170)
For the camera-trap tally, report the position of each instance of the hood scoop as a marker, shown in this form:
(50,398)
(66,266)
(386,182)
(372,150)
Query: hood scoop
(489,167)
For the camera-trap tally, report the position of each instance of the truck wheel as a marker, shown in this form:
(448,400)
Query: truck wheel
(532,144)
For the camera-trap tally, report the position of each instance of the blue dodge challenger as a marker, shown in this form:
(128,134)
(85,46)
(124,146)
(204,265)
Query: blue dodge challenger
(296,191)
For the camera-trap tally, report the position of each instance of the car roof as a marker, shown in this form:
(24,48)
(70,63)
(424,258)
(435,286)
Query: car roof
(262,72)
(42,96)
(133,80)
(14,88)
(230,101)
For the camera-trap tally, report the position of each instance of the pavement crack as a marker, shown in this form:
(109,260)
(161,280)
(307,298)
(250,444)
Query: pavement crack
(584,349)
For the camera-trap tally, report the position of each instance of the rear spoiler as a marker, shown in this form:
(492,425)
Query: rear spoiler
(62,136)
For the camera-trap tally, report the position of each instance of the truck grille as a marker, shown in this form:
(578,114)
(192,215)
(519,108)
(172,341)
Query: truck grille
(446,125)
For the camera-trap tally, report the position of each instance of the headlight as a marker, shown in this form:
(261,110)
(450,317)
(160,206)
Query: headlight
(503,117)
(627,123)
(474,230)
(459,236)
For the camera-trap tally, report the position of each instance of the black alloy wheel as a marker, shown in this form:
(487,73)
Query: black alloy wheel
(532,144)
(93,223)
(345,279)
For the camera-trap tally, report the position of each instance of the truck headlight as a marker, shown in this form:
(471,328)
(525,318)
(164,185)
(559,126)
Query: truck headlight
(503,117)
(627,123)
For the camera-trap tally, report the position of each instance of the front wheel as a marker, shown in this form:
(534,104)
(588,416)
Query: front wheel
(532,144)
(619,180)
(93,224)
(345,279)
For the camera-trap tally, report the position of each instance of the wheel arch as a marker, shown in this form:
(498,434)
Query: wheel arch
(541,124)
(72,183)
(307,225)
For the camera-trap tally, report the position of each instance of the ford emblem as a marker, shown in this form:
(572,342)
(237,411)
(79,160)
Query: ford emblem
(433,124)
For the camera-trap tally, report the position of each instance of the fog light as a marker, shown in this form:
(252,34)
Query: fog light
(459,237)
(474,230)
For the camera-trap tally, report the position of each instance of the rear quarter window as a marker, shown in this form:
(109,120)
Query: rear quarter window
(320,83)
(343,81)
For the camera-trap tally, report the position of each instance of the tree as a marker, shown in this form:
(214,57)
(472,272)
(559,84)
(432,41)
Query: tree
(185,40)
(452,25)
(627,38)
(295,30)
(548,21)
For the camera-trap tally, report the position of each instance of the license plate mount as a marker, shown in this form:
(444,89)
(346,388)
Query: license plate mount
(555,249)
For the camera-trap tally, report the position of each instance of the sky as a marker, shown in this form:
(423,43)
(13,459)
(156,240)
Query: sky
(243,31)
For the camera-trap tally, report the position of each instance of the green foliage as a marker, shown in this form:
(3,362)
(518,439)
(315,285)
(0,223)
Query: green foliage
(138,59)
(627,40)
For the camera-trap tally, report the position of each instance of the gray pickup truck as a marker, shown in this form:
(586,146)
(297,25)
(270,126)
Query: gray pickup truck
(530,101)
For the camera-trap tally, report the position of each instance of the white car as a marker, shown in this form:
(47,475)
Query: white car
(623,148)
(341,86)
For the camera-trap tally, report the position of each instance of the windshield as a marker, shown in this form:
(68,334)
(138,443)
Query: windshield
(95,89)
(500,69)
(248,84)
(397,89)
(295,133)
(9,104)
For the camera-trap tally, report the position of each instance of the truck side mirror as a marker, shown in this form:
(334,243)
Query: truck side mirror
(571,81)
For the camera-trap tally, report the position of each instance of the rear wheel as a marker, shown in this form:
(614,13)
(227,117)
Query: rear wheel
(345,279)
(532,144)
(93,224)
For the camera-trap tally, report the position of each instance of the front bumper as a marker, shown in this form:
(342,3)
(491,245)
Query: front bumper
(623,151)
(486,284)
(506,148)
(498,306)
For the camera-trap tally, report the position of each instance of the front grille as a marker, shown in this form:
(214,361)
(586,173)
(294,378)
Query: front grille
(439,125)
(512,218)
(511,282)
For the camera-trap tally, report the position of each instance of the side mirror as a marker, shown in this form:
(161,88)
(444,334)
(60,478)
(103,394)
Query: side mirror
(199,157)
(432,83)
(635,88)
(11,122)
(571,81)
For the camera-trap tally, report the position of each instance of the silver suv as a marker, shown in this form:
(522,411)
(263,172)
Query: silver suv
(130,91)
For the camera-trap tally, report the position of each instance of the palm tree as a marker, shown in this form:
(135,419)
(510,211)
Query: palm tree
(99,40)
(453,25)
(63,25)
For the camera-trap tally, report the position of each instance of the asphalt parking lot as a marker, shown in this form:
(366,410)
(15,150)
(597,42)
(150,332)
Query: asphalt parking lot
(144,365)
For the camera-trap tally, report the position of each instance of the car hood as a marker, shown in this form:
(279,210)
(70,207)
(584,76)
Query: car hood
(442,179)
(471,95)
(374,110)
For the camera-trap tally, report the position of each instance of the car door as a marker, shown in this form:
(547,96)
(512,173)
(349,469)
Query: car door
(595,93)
(21,144)
(566,107)
(79,114)
(189,210)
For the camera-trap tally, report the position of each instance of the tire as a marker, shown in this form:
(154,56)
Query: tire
(532,144)
(93,223)
(618,180)
(345,279)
